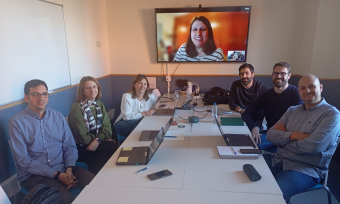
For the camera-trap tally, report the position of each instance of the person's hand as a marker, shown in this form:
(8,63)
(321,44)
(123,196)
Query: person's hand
(243,110)
(111,140)
(298,136)
(93,145)
(150,112)
(70,173)
(68,183)
(255,133)
(280,126)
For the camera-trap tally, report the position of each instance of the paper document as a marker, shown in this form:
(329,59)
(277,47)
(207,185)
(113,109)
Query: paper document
(174,135)
(232,152)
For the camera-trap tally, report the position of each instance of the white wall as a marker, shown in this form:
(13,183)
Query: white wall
(304,33)
(86,23)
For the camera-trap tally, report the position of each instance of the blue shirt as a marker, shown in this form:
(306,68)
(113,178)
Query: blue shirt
(310,156)
(41,146)
(273,104)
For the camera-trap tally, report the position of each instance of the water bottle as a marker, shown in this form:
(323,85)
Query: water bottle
(213,113)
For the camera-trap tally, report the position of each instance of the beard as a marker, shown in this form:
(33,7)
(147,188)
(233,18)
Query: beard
(280,82)
(245,83)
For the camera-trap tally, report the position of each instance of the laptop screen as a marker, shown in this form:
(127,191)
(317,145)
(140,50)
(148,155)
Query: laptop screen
(168,125)
(155,144)
(219,126)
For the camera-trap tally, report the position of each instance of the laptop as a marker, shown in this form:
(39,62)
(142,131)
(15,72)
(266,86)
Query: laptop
(236,139)
(164,112)
(221,111)
(140,155)
(149,135)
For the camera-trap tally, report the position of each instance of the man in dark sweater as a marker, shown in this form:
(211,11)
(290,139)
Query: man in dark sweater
(274,104)
(244,91)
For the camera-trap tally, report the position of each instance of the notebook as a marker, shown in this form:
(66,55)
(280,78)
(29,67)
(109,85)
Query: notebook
(140,155)
(228,121)
(149,135)
(235,139)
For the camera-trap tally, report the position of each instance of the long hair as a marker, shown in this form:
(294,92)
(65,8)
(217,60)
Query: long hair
(80,92)
(137,79)
(209,47)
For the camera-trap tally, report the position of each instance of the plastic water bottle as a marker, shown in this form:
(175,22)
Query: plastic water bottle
(213,113)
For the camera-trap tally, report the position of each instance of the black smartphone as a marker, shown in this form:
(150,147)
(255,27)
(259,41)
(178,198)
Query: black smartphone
(158,175)
(250,151)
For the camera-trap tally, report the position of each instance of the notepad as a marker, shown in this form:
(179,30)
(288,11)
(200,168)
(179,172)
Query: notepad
(177,135)
(229,121)
(227,152)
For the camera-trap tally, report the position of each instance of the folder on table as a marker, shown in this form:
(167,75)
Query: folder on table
(229,121)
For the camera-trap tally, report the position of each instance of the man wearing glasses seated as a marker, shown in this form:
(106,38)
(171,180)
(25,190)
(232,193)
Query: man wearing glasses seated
(43,145)
(274,104)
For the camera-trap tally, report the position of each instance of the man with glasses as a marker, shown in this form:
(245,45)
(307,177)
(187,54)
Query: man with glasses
(274,104)
(306,136)
(43,145)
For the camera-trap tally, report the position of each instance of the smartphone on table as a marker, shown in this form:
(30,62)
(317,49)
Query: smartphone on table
(158,175)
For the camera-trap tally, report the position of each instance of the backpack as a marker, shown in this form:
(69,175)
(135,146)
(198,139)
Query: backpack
(217,95)
(43,194)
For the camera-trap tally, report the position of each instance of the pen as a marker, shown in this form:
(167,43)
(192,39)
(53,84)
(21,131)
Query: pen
(142,170)
(233,150)
(171,136)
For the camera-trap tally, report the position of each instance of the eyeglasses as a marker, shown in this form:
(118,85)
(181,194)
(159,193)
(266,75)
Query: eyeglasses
(280,73)
(37,95)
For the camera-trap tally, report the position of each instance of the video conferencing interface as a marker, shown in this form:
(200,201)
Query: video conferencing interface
(206,34)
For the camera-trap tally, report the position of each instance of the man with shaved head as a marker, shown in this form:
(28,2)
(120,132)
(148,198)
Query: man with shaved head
(306,136)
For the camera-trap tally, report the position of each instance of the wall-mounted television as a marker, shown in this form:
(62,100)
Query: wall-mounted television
(214,34)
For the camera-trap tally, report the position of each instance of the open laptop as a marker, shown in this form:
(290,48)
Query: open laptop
(140,155)
(221,111)
(235,139)
(149,135)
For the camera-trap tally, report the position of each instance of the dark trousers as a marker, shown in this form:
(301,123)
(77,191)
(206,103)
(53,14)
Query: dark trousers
(125,127)
(95,160)
(83,176)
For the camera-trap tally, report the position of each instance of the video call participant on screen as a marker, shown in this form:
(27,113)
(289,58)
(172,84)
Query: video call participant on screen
(243,92)
(306,137)
(90,126)
(274,103)
(43,146)
(200,45)
(136,104)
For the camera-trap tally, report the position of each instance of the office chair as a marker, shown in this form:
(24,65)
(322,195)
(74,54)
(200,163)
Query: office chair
(319,186)
(74,191)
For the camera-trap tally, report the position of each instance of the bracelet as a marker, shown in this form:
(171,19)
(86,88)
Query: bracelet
(57,175)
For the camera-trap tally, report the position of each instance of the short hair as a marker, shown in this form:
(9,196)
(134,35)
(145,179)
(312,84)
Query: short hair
(246,65)
(282,64)
(80,92)
(137,79)
(209,46)
(32,84)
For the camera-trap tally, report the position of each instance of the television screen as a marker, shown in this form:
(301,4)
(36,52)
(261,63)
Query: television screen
(217,34)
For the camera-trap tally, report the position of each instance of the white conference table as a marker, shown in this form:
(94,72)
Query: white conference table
(197,169)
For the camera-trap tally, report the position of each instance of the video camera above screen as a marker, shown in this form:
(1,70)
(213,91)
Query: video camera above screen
(215,34)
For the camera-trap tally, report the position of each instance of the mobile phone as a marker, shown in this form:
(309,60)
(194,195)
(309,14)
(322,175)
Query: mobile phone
(158,175)
(250,151)
(161,106)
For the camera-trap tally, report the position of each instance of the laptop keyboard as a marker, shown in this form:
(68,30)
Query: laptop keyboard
(138,154)
(239,140)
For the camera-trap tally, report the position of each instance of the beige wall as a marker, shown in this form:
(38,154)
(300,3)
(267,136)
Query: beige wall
(86,23)
(302,32)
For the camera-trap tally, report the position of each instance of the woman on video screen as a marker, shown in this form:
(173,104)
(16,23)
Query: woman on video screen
(200,45)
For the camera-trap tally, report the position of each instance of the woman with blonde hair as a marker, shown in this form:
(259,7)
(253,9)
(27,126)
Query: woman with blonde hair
(136,104)
(91,126)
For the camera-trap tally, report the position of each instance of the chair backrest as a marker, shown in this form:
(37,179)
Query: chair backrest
(325,178)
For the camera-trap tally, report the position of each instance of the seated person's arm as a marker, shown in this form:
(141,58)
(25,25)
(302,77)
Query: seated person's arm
(232,98)
(21,154)
(320,139)
(69,146)
(127,110)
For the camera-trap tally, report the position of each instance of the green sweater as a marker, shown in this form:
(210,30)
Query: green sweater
(79,129)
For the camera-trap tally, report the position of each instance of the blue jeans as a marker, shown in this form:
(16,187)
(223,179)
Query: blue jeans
(125,127)
(290,182)
(265,144)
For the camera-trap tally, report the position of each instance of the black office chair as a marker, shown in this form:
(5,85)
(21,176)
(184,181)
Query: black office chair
(319,186)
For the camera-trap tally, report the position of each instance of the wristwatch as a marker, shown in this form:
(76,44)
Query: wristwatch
(57,175)
(98,139)
(239,110)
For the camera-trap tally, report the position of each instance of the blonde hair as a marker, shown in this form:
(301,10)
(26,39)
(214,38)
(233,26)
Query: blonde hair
(137,79)
(80,92)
